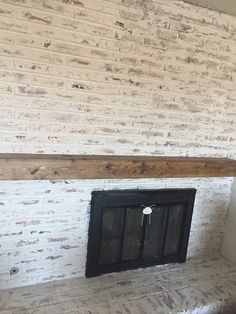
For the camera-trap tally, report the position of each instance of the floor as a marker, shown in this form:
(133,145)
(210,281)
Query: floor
(202,285)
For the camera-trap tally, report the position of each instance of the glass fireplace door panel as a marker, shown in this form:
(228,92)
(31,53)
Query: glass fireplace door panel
(132,234)
(112,225)
(122,235)
(174,229)
(155,230)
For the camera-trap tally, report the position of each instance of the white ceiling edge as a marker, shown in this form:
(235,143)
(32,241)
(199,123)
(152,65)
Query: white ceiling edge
(224,6)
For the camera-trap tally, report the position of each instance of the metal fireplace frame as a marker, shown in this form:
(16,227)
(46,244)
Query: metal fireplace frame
(128,198)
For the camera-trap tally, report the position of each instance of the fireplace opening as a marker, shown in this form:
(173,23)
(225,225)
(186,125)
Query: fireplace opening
(138,228)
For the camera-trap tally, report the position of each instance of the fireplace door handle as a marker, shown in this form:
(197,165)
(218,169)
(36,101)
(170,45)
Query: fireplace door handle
(149,219)
(142,219)
(147,211)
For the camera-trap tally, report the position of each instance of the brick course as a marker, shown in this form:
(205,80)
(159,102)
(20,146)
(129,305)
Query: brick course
(117,77)
(108,77)
(44,224)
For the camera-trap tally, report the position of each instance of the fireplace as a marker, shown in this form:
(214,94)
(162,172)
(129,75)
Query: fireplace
(138,228)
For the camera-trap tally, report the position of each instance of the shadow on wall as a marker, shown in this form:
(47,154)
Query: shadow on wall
(229,239)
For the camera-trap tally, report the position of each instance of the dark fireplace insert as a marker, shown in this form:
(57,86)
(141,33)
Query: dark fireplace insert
(138,228)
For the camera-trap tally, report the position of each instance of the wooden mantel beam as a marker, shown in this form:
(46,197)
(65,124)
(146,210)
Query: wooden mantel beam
(65,167)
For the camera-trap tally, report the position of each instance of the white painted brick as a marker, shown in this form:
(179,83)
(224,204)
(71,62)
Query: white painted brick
(44,224)
(108,77)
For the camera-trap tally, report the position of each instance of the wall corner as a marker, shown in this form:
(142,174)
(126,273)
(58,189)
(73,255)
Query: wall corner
(228,248)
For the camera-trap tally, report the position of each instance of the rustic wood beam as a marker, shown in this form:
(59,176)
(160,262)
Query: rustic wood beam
(65,167)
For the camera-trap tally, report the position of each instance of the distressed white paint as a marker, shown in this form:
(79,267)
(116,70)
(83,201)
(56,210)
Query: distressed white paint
(117,77)
(44,224)
(203,285)
(108,77)
(229,239)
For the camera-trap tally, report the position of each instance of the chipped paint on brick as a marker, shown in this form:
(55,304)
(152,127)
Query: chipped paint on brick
(115,77)
(88,77)
(41,237)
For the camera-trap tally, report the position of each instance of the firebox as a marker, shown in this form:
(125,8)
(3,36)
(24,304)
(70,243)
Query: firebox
(138,228)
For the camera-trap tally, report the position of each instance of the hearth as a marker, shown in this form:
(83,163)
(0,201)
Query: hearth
(138,228)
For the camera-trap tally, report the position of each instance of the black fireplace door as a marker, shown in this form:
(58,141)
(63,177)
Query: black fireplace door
(130,229)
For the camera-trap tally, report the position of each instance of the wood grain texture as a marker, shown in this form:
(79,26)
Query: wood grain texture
(64,167)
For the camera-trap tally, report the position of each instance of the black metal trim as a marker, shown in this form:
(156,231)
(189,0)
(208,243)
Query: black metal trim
(130,198)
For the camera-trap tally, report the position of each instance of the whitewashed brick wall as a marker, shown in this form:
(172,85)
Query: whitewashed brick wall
(117,77)
(108,77)
(44,224)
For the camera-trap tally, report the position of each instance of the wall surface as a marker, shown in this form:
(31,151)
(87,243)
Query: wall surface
(108,77)
(117,77)
(44,232)
(226,6)
(229,239)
